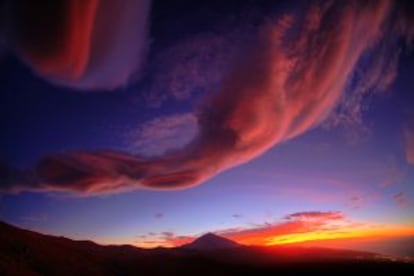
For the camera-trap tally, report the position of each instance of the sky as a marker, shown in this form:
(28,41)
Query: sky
(152,122)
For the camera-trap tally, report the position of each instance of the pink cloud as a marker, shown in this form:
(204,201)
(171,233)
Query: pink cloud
(95,44)
(376,74)
(288,83)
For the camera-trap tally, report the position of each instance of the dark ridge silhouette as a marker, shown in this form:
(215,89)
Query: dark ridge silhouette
(24,252)
(211,241)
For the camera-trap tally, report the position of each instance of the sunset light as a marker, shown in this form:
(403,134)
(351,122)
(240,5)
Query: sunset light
(207,136)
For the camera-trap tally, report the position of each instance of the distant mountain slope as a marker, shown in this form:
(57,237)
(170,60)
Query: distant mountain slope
(24,252)
(211,241)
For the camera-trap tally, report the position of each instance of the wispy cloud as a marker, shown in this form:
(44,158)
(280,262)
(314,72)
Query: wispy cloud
(163,134)
(375,74)
(287,83)
(195,65)
(315,215)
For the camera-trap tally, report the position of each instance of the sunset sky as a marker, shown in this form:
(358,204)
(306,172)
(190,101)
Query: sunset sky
(152,122)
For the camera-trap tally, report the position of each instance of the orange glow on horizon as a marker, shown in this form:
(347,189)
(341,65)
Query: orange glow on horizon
(363,232)
(343,234)
(311,237)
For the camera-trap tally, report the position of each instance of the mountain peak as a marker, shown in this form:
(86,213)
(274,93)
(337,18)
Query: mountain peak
(211,241)
(209,235)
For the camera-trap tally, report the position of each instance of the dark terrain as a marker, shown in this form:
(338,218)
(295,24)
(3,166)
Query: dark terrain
(24,252)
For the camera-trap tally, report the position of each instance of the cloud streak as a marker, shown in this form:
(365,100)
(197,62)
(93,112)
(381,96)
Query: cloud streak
(92,44)
(286,84)
(376,72)
(316,215)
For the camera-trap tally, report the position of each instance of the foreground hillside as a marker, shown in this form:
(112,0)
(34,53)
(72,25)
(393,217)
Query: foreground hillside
(25,252)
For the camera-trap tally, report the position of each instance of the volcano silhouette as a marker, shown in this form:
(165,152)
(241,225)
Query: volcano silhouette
(211,241)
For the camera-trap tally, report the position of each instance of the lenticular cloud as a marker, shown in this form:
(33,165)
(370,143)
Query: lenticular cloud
(287,83)
(85,44)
